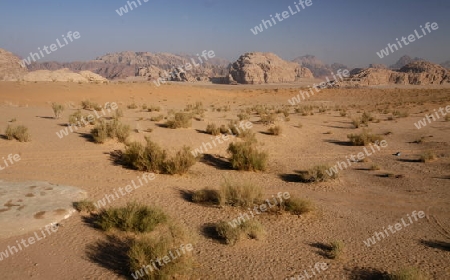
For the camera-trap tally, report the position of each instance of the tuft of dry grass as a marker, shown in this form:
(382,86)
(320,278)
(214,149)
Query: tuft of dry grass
(297,206)
(104,130)
(337,249)
(240,194)
(409,273)
(212,129)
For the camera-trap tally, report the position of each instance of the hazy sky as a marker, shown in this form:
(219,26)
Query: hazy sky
(344,31)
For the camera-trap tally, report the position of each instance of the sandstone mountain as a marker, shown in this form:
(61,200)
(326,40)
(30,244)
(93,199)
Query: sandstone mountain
(414,73)
(122,65)
(259,68)
(404,60)
(10,69)
(317,67)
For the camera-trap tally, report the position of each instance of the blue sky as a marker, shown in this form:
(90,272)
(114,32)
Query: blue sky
(344,31)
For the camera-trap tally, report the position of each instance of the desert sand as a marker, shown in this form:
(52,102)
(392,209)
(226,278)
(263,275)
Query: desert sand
(350,208)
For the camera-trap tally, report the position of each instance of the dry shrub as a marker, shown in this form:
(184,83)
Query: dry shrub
(133,217)
(104,130)
(427,156)
(20,133)
(152,157)
(364,138)
(84,206)
(158,118)
(232,234)
(275,130)
(317,174)
(207,196)
(409,273)
(240,194)
(212,129)
(245,156)
(57,110)
(297,206)
(180,120)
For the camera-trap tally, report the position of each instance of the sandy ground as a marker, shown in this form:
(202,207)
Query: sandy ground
(349,209)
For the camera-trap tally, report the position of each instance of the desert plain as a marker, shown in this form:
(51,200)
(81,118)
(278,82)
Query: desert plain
(362,200)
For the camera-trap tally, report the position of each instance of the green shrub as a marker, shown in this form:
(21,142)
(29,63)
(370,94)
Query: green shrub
(133,217)
(20,133)
(364,138)
(245,156)
(57,110)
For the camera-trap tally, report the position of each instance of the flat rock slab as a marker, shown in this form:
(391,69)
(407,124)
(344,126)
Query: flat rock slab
(28,206)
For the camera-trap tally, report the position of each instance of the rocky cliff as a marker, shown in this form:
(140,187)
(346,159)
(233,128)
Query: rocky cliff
(259,68)
(10,68)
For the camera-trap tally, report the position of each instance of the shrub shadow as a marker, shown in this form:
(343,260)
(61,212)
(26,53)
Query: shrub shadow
(111,254)
(445,246)
(408,160)
(218,162)
(300,176)
(325,249)
(340,143)
(210,232)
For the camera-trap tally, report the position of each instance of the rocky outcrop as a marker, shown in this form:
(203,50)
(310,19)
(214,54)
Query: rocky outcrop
(10,68)
(404,60)
(259,68)
(415,73)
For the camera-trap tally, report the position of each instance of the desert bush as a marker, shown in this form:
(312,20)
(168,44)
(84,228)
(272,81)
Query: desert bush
(114,129)
(410,273)
(297,206)
(364,138)
(318,174)
(88,105)
(57,109)
(84,206)
(275,130)
(207,196)
(212,129)
(231,235)
(374,167)
(223,129)
(20,133)
(75,118)
(158,118)
(427,156)
(267,119)
(447,118)
(245,156)
(154,108)
(180,120)
(152,157)
(133,217)
(243,116)
(240,194)
(118,114)
(144,252)
(181,162)
(132,106)
(366,118)
(343,113)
